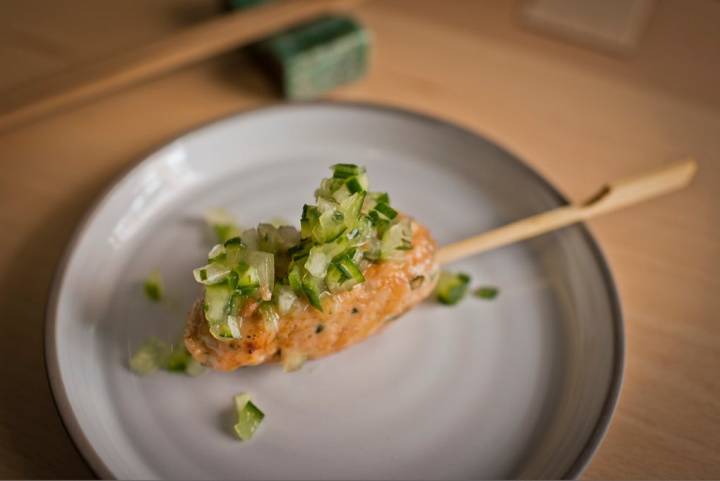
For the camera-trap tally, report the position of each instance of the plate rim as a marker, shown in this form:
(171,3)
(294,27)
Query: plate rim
(67,416)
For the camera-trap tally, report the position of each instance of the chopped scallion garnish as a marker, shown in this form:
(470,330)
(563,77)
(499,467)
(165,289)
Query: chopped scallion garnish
(486,292)
(341,171)
(386,210)
(451,288)
(153,287)
(346,229)
(249,417)
(312,289)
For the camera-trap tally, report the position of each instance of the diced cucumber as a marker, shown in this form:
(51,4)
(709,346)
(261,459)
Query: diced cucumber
(334,278)
(212,273)
(309,220)
(350,269)
(249,417)
(313,287)
(343,171)
(217,307)
(451,288)
(386,210)
(330,225)
(153,287)
(264,265)
(350,209)
(396,240)
(486,292)
(295,279)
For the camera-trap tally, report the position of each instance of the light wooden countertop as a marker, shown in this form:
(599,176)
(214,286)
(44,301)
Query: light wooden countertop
(579,117)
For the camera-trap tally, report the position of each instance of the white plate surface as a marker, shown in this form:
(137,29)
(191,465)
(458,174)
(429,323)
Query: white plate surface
(522,386)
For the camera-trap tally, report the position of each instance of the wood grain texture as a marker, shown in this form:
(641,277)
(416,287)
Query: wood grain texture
(577,116)
(188,46)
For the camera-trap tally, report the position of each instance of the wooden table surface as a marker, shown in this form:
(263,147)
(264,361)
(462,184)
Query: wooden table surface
(578,116)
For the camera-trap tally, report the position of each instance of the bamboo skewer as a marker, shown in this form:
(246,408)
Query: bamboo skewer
(614,196)
(189,46)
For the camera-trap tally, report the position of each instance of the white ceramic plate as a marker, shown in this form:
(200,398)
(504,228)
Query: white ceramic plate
(522,386)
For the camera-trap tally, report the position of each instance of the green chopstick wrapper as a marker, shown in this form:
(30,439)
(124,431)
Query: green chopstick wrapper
(312,58)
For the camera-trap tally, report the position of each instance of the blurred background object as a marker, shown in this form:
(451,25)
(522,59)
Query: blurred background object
(314,57)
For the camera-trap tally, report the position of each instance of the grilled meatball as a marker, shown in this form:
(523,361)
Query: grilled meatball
(390,289)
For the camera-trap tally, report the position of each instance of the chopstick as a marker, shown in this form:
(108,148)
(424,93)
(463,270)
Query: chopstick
(613,196)
(191,45)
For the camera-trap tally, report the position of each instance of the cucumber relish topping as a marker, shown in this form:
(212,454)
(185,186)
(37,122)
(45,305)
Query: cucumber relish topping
(270,267)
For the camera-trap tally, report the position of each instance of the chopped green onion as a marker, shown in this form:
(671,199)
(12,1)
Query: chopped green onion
(329,226)
(386,210)
(309,220)
(381,197)
(153,287)
(178,359)
(354,185)
(396,240)
(218,303)
(234,241)
(295,279)
(312,288)
(350,269)
(341,171)
(332,189)
(346,230)
(249,417)
(149,357)
(334,278)
(486,292)
(451,288)
(373,199)
(212,273)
